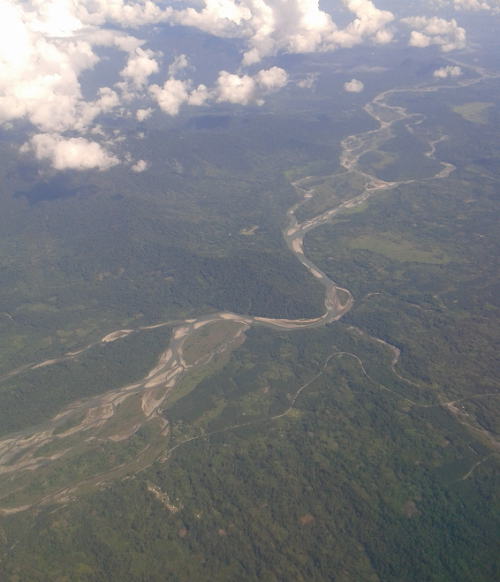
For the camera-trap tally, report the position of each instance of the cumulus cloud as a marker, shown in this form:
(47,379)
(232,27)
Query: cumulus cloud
(39,78)
(126,14)
(140,166)
(354,86)
(234,89)
(142,114)
(419,39)
(471,5)
(449,71)
(435,31)
(75,153)
(171,96)
(179,63)
(299,26)
(369,23)
(139,66)
(46,45)
(198,96)
(308,82)
(43,51)
(107,101)
(229,88)
(273,78)
(493,5)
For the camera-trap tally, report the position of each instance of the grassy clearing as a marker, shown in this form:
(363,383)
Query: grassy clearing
(379,159)
(128,414)
(474,112)
(399,250)
(330,191)
(72,421)
(195,376)
(355,209)
(208,338)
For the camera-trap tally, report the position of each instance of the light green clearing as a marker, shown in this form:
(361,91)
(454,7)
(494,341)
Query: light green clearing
(355,209)
(398,250)
(473,111)
(379,159)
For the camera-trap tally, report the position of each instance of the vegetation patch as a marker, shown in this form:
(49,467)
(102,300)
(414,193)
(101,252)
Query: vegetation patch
(398,249)
(209,338)
(474,112)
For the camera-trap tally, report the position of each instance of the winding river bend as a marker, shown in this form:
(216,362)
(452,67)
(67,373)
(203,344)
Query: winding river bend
(19,453)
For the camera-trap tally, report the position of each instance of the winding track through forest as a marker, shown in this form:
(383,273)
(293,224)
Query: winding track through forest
(172,366)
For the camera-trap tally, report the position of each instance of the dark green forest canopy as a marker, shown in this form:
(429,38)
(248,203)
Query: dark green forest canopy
(83,253)
(355,484)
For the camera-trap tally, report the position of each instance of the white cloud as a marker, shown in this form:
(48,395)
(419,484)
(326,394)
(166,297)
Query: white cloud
(139,66)
(234,88)
(98,130)
(228,88)
(171,96)
(46,45)
(354,86)
(383,36)
(369,23)
(39,73)
(179,64)
(198,96)
(75,153)
(140,166)
(308,82)
(127,14)
(419,39)
(108,100)
(142,114)
(273,78)
(493,5)
(449,71)
(435,31)
(38,77)
(297,26)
